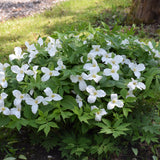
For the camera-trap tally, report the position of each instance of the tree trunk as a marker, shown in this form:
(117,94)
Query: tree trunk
(145,11)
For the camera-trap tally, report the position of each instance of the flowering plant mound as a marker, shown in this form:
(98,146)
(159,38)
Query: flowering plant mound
(94,82)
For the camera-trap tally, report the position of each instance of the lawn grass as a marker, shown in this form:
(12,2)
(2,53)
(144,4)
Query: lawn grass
(65,16)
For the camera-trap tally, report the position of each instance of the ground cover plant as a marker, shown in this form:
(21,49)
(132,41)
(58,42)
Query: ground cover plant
(92,93)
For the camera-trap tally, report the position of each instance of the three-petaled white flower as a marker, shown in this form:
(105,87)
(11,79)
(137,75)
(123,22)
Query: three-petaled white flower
(48,73)
(2,97)
(18,97)
(135,84)
(94,94)
(97,50)
(16,111)
(105,57)
(79,101)
(60,65)
(80,79)
(114,102)
(136,68)
(4,110)
(20,71)
(18,54)
(34,103)
(3,81)
(3,67)
(92,76)
(115,61)
(112,72)
(51,95)
(99,113)
(130,93)
(92,66)
(33,72)
(40,41)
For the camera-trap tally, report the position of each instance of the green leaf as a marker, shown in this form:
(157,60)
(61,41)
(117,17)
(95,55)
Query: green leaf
(68,102)
(22,157)
(53,125)
(126,111)
(46,129)
(135,151)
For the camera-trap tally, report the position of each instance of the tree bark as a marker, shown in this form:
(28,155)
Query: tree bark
(145,11)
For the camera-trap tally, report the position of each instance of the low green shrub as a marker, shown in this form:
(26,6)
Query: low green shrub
(92,93)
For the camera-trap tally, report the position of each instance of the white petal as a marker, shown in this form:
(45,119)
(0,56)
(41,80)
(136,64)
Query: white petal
(101,93)
(90,89)
(48,91)
(110,105)
(45,77)
(20,77)
(57,97)
(74,79)
(34,108)
(15,69)
(115,76)
(114,96)
(82,85)
(91,99)
(45,70)
(119,103)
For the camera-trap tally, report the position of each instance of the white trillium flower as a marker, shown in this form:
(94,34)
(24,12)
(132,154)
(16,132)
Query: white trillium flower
(34,103)
(16,111)
(137,68)
(2,97)
(94,94)
(109,43)
(130,93)
(52,50)
(112,72)
(48,73)
(99,114)
(20,71)
(51,95)
(18,97)
(4,110)
(92,76)
(79,101)
(135,84)
(105,57)
(115,102)
(97,50)
(56,42)
(33,73)
(125,60)
(3,81)
(3,67)
(60,65)
(80,79)
(40,41)
(116,60)
(18,54)
(125,42)
(92,66)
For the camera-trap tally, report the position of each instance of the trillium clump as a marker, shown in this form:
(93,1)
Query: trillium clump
(99,76)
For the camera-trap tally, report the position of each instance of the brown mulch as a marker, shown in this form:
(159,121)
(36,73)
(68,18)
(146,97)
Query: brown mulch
(10,9)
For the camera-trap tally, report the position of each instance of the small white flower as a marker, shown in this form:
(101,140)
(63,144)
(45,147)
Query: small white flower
(92,76)
(51,95)
(4,110)
(116,60)
(34,103)
(16,111)
(3,81)
(92,66)
(18,97)
(136,68)
(99,114)
(135,84)
(40,41)
(3,67)
(125,42)
(112,72)
(48,73)
(80,79)
(130,93)
(18,54)
(97,50)
(2,97)
(60,65)
(108,43)
(125,60)
(94,94)
(33,73)
(115,102)
(79,101)
(20,71)
(106,57)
